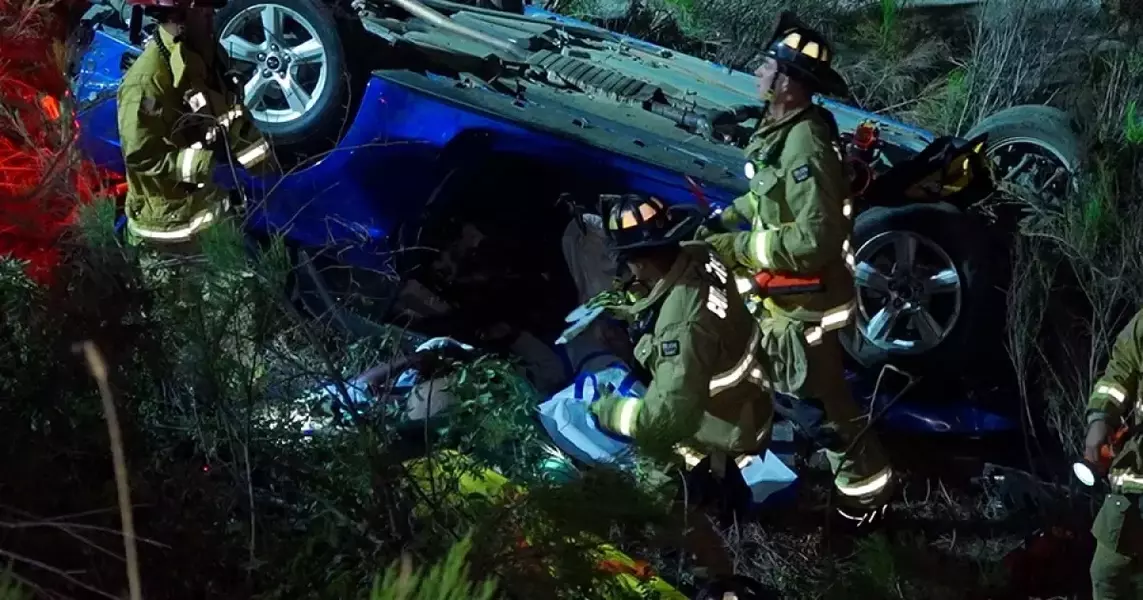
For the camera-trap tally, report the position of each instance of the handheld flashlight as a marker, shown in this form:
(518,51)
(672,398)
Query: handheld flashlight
(1088,472)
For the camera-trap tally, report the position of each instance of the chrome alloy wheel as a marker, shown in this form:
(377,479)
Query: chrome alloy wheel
(282,58)
(909,292)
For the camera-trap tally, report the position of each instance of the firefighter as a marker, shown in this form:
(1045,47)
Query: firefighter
(796,220)
(697,343)
(1118,528)
(182,127)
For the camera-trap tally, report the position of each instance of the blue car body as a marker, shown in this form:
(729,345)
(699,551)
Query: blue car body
(411,127)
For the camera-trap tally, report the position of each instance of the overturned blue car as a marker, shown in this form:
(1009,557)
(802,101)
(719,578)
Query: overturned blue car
(439,157)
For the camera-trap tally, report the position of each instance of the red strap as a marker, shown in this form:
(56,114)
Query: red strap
(697,191)
(778,284)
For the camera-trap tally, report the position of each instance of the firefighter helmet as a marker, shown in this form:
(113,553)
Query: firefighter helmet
(805,55)
(635,222)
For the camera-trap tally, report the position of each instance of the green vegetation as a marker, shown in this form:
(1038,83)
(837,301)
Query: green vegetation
(448,580)
(207,361)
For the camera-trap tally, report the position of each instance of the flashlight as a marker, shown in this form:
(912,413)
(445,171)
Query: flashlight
(1088,472)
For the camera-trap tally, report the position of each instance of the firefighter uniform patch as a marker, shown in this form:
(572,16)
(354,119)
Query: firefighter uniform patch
(670,348)
(801,174)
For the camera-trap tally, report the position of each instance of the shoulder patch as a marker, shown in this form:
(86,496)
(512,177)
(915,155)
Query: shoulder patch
(801,173)
(670,348)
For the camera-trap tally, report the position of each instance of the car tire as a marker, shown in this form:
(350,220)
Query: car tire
(950,245)
(320,124)
(1043,133)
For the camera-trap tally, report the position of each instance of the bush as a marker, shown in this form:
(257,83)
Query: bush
(206,364)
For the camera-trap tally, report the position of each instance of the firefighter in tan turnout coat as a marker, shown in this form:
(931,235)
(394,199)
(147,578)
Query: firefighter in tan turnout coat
(797,220)
(179,120)
(708,392)
(1114,404)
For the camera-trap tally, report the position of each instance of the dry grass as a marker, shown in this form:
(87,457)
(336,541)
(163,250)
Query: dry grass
(1080,270)
(946,538)
(943,540)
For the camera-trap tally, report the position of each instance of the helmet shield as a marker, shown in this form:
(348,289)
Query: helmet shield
(805,55)
(634,222)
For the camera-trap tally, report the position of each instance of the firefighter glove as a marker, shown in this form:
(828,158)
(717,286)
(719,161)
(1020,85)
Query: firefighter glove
(1097,435)
(722,244)
(609,412)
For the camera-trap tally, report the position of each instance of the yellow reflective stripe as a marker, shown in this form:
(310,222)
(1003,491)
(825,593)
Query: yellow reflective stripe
(838,317)
(186,160)
(834,318)
(1116,392)
(760,243)
(224,122)
(692,458)
(199,221)
(758,376)
(734,376)
(230,116)
(814,335)
(1123,479)
(867,486)
(253,155)
(848,256)
(628,413)
(847,208)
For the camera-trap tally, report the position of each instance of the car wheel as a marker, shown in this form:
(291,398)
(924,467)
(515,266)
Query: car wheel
(919,286)
(1035,152)
(292,65)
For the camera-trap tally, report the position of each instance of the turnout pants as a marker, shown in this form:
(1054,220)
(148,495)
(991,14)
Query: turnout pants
(714,484)
(811,392)
(1115,568)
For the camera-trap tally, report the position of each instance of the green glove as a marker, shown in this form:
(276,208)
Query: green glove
(607,299)
(610,409)
(723,245)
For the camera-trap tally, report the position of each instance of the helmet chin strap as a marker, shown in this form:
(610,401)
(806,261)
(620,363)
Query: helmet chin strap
(768,96)
(766,102)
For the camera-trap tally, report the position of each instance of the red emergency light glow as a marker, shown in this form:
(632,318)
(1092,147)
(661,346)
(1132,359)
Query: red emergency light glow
(42,180)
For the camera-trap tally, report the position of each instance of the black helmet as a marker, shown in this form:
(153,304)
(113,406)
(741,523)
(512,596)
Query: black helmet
(805,55)
(634,222)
